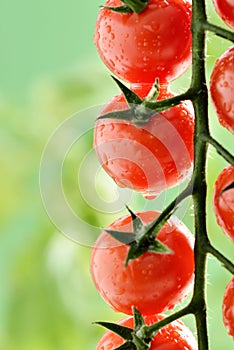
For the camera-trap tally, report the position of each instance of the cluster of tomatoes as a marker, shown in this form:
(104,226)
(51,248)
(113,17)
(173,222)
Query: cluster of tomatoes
(222,95)
(151,154)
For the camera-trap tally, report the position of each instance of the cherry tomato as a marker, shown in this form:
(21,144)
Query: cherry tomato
(228,308)
(222,87)
(225,9)
(224,202)
(139,48)
(174,336)
(150,158)
(153,282)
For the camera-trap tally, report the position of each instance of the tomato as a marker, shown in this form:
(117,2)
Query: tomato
(225,9)
(224,202)
(228,307)
(222,87)
(153,282)
(139,48)
(174,336)
(150,158)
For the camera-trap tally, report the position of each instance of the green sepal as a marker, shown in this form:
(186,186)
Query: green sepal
(121,236)
(126,346)
(159,247)
(138,320)
(127,114)
(227,188)
(138,225)
(140,344)
(134,252)
(129,95)
(119,9)
(130,6)
(123,332)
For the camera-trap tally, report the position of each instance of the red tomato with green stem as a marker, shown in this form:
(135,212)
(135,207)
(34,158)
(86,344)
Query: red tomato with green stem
(228,307)
(222,87)
(148,158)
(174,336)
(153,282)
(155,43)
(223,201)
(225,9)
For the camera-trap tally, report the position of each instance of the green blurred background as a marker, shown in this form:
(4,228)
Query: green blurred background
(49,70)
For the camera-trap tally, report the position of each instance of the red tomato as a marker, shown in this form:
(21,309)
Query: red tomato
(150,158)
(222,87)
(139,48)
(228,308)
(174,336)
(225,9)
(224,202)
(153,282)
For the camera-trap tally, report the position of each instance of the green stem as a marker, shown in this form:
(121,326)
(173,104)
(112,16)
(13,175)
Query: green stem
(219,148)
(150,331)
(225,262)
(200,103)
(223,33)
(170,102)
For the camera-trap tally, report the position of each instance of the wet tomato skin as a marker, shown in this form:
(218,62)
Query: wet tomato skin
(228,308)
(174,336)
(148,158)
(153,282)
(222,87)
(139,48)
(223,203)
(225,9)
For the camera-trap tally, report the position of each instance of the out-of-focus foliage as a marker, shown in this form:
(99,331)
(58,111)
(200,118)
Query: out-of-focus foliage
(47,298)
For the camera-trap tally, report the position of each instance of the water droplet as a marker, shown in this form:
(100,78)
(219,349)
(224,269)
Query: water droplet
(108,29)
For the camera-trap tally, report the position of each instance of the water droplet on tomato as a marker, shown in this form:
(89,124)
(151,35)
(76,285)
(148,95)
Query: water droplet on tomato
(108,29)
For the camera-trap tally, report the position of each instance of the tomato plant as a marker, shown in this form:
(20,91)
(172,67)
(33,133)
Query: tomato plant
(175,336)
(154,44)
(225,9)
(144,158)
(153,282)
(228,307)
(221,89)
(224,201)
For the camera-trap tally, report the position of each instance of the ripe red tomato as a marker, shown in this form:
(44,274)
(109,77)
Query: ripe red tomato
(225,9)
(228,308)
(222,87)
(153,282)
(174,336)
(139,48)
(150,158)
(224,202)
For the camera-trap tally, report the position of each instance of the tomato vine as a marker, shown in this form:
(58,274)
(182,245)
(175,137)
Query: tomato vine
(197,188)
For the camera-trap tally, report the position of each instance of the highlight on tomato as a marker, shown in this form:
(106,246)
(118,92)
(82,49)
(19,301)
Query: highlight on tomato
(222,87)
(155,43)
(225,9)
(223,201)
(148,158)
(228,308)
(153,282)
(174,336)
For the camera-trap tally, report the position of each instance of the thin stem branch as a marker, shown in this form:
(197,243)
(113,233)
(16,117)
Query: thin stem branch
(223,33)
(219,256)
(219,148)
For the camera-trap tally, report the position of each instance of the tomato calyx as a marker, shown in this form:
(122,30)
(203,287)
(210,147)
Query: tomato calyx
(140,110)
(134,337)
(143,238)
(129,6)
